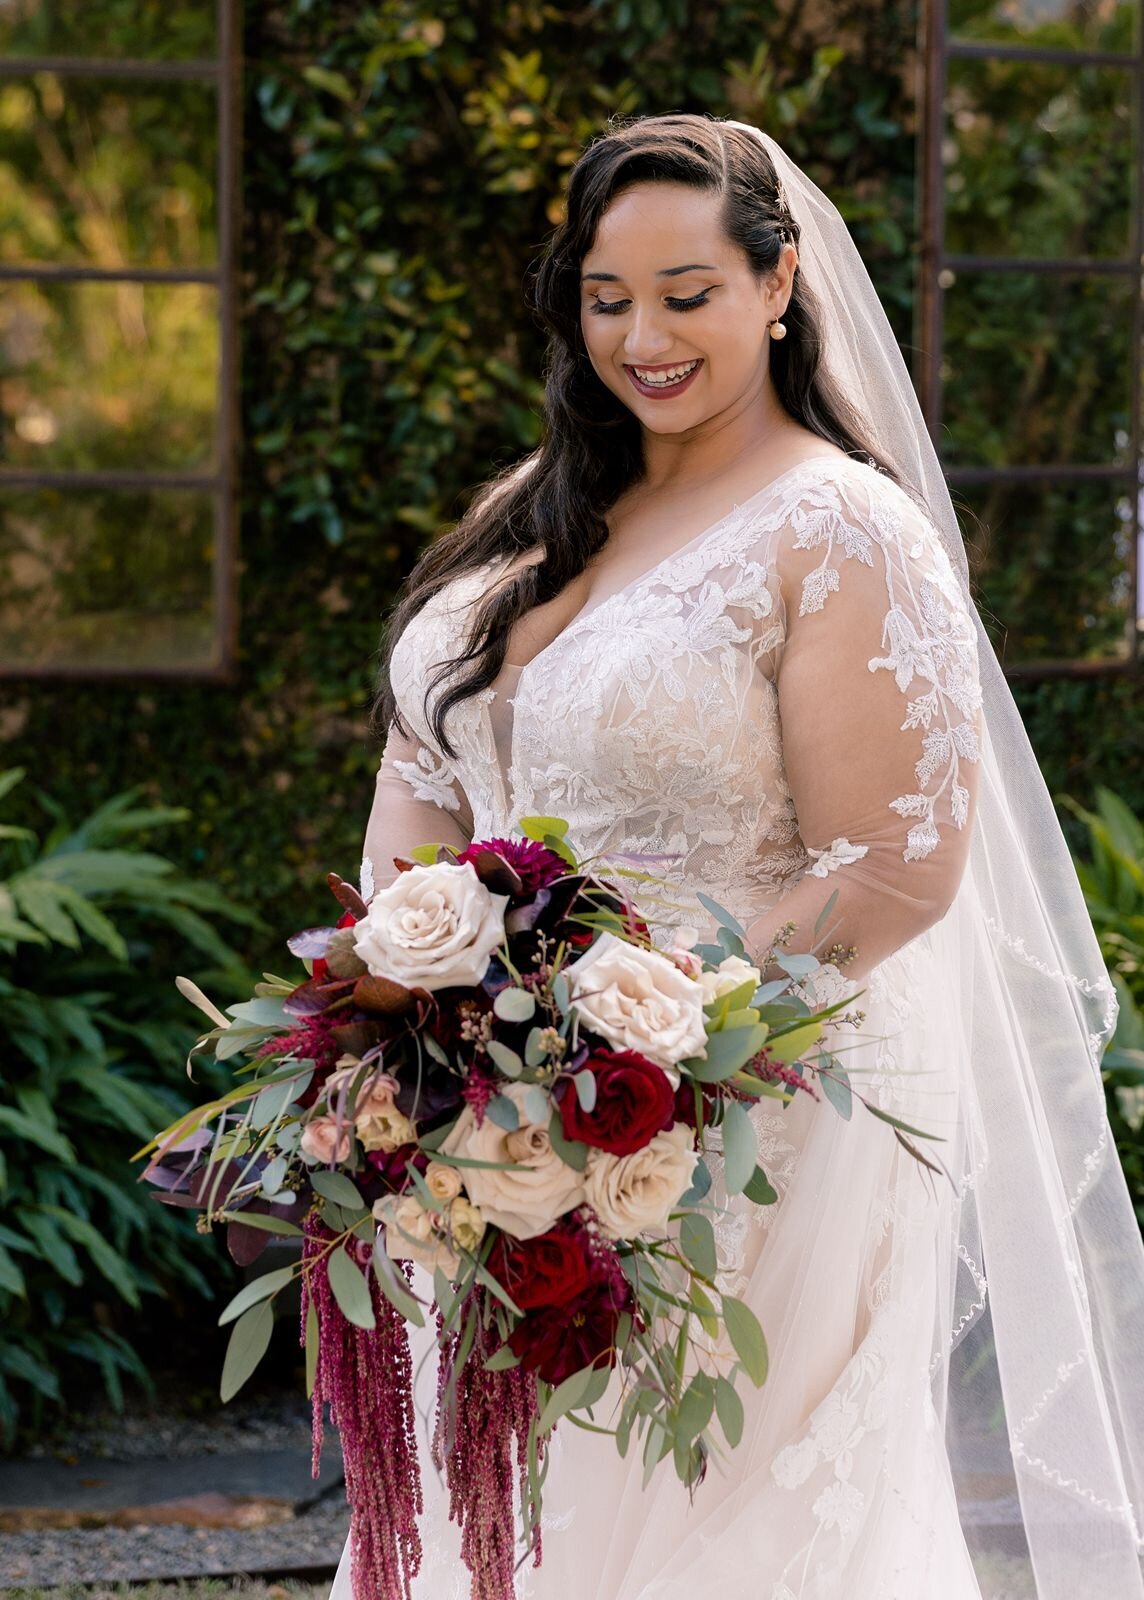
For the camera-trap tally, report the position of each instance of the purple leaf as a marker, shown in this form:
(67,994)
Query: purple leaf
(310,943)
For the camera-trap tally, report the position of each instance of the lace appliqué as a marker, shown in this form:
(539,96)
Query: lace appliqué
(366,881)
(431,778)
(841,854)
(929,641)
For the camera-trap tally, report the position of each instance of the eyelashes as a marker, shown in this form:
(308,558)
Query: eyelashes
(615,308)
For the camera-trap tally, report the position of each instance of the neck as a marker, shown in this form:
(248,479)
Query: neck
(716,445)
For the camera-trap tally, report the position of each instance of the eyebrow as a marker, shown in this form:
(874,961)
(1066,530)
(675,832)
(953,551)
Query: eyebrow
(668,272)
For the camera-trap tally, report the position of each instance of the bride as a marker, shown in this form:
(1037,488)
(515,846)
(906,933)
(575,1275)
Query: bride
(722,615)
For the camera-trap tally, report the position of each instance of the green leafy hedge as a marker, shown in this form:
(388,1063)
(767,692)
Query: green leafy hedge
(93,1038)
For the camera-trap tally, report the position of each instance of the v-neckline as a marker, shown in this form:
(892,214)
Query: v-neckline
(585,612)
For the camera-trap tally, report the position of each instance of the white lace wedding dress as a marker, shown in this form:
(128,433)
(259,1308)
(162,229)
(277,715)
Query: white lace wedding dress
(789,706)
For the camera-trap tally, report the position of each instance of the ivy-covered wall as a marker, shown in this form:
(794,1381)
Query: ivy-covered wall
(402,164)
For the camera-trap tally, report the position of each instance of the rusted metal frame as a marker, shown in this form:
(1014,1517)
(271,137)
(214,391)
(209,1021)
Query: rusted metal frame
(223,483)
(229,421)
(938,48)
(51,272)
(987,50)
(112,478)
(103,67)
(1058,264)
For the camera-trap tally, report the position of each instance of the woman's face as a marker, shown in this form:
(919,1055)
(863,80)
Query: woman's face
(674,319)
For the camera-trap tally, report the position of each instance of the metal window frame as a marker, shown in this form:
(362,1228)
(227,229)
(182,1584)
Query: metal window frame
(938,49)
(224,70)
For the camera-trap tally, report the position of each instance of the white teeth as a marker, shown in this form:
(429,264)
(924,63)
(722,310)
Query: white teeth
(660,380)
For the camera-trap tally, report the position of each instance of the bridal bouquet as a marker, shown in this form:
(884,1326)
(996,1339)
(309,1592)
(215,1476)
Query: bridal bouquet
(490,1071)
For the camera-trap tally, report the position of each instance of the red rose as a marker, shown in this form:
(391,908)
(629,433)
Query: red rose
(634,1101)
(548,1270)
(685,1102)
(557,1341)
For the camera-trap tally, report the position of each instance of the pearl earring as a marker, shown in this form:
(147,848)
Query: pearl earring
(777,329)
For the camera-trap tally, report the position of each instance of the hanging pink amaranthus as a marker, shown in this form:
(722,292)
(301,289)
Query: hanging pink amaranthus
(473,1442)
(366,1377)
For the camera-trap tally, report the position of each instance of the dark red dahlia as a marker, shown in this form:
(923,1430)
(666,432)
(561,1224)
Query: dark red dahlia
(557,1341)
(534,863)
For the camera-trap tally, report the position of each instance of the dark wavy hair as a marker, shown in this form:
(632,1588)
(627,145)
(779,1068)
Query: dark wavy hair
(559,496)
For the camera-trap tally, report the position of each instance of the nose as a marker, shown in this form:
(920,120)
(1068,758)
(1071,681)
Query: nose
(648,338)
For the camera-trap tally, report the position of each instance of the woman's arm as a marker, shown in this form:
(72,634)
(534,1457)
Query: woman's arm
(879,703)
(417,800)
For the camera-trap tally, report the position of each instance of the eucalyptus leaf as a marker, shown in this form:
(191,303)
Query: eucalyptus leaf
(272,1176)
(564,1397)
(505,1059)
(585,1081)
(249,1340)
(740,1148)
(535,1050)
(502,1360)
(350,1289)
(337,1187)
(394,1286)
(746,1336)
(721,915)
(700,1185)
(787,1047)
(537,1106)
(729,1410)
(726,1053)
(571,1151)
(835,1083)
(261,1288)
(760,1189)
(514,1005)
(313,1341)
(503,1112)
(697,1242)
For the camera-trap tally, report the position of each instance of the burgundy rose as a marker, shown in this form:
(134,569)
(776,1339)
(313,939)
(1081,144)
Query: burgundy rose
(548,1270)
(391,1165)
(557,1341)
(634,1101)
(534,863)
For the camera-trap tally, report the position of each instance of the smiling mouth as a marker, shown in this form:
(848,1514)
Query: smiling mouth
(660,381)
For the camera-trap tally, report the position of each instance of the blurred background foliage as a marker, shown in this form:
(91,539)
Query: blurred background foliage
(403,162)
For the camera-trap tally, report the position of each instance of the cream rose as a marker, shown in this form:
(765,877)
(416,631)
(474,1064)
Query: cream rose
(323,1142)
(526,1201)
(630,1194)
(384,1128)
(443,1183)
(728,975)
(412,1233)
(432,927)
(639,1000)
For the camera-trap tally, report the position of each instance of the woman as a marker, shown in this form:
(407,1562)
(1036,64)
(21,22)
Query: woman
(721,615)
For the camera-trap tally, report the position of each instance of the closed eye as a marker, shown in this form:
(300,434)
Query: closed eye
(615,308)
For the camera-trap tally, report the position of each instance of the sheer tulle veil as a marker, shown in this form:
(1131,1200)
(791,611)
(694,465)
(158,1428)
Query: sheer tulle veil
(1041,1356)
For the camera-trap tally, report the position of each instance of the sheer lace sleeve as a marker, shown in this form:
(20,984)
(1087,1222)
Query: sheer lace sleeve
(418,799)
(879,702)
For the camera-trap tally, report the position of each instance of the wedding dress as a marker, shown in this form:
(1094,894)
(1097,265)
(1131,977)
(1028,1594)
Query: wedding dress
(658,721)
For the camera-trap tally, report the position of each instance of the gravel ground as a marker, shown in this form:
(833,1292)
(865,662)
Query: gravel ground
(311,1542)
(184,1426)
